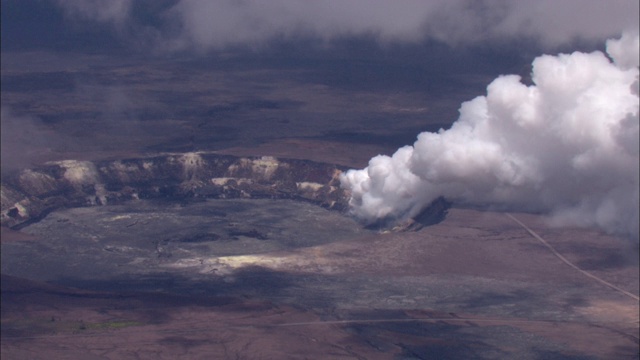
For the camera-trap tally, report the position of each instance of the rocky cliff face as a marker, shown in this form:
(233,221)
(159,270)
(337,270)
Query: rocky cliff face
(31,194)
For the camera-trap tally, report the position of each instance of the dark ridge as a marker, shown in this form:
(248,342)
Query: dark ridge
(433,214)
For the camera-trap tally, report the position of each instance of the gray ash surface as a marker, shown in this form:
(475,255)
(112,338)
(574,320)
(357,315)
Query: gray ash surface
(140,236)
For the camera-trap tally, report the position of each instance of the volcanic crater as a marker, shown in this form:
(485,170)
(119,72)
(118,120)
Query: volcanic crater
(31,194)
(129,216)
(158,244)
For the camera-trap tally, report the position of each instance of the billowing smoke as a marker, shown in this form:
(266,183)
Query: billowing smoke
(566,145)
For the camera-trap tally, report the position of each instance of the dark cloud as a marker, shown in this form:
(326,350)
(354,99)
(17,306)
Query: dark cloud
(219,23)
(112,11)
(203,25)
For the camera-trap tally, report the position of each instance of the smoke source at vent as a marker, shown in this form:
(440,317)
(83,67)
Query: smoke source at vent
(566,145)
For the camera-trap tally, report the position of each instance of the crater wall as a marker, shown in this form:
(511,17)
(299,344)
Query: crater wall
(31,194)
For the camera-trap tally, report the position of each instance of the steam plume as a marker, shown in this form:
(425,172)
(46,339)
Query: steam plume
(566,145)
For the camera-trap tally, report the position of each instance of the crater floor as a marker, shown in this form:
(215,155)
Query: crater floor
(150,236)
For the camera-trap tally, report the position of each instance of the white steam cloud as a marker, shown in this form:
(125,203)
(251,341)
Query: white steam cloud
(567,145)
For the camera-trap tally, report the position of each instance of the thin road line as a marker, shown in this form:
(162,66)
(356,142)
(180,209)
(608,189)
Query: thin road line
(444,319)
(556,253)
